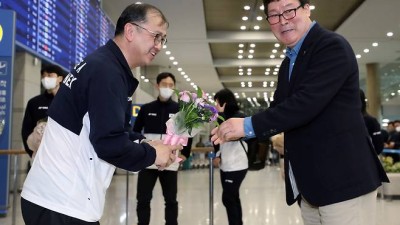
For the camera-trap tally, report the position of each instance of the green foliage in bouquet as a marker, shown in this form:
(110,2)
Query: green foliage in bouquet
(389,166)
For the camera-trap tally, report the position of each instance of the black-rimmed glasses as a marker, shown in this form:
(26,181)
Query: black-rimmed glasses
(158,38)
(287,14)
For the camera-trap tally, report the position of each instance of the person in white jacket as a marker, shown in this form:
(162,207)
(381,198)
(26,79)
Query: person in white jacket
(231,159)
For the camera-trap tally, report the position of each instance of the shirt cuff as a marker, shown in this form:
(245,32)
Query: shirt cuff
(248,128)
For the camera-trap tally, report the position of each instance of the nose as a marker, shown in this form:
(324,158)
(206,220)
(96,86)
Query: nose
(282,20)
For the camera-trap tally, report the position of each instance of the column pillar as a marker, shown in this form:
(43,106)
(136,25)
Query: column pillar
(373,91)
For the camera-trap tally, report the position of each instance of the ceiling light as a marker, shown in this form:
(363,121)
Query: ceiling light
(366,50)
(251,51)
(240,73)
(375,44)
(243,27)
(171,58)
(244,95)
(249,83)
(312,7)
(164,46)
(272,56)
(183,73)
(193,84)
(284,50)
(275,73)
(266,73)
(246,7)
(389,34)
(252,45)
(358,56)
(268,69)
(179,69)
(241,45)
(282,56)
(245,18)
(248,73)
(142,77)
(249,69)
(240,57)
(250,56)
(276,69)
(262,7)
(278,65)
(256,27)
(146,80)
(168,52)
(240,69)
(175,63)
(240,51)
(259,18)
(277,45)
(274,51)
(186,76)
(187,79)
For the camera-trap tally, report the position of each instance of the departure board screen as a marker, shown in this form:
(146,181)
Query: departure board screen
(60,31)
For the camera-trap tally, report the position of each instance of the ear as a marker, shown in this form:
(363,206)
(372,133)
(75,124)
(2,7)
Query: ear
(60,79)
(129,31)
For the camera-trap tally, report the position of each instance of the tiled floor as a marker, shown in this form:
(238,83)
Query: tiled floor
(262,196)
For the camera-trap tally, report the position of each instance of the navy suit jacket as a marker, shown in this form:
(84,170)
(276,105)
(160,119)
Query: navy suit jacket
(319,110)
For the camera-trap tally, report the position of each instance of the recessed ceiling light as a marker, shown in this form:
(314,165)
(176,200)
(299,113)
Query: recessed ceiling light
(183,73)
(389,34)
(240,69)
(251,51)
(274,51)
(358,56)
(246,7)
(241,45)
(249,69)
(243,27)
(240,56)
(256,27)
(366,50)
(282,56)
(259,18)
(146,80)
(277,45)
(142,77)
(171,58)
(272,56)
(240,51)
(187,79)
(175,63)
(168,52)
(252,45)
(179,69)
(186,76)
(312,7)
(266,73)
(164,46)
(250,56)
(262,7)
(375,44)
(245,18)
(240,73)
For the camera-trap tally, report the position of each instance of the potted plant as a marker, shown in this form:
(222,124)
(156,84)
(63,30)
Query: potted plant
(393,172)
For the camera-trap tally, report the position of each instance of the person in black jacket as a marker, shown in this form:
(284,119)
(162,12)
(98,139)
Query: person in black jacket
(330,163)
(373,126)
(151,121)
(36,109)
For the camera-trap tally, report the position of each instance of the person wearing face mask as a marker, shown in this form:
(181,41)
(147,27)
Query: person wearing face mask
(36,109)
(151,122)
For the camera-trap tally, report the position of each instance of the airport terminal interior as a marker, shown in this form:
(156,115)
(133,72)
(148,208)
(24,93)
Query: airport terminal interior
(212,44)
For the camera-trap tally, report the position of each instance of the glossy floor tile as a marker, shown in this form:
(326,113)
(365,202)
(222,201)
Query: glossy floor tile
(262,196)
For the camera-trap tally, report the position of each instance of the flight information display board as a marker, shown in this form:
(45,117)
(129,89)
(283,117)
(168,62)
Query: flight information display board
(60,31)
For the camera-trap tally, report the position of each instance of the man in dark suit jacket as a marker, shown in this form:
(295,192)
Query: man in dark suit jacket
(317,105)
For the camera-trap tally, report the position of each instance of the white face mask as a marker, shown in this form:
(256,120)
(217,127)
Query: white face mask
(49,82)
(398,129)
(166,92)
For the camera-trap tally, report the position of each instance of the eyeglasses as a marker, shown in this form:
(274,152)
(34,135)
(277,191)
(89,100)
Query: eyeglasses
(287,14)
(158,38)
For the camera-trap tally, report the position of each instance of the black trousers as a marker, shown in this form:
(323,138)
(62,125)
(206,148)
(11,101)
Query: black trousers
(231,182)
(146,181)
(37,215)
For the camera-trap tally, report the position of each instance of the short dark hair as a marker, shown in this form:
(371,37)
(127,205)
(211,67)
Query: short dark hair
(53,69)
(136,13)
(266,2)
(226,96)
(164,75)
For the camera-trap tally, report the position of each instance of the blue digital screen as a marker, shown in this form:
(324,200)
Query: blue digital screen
(60,31)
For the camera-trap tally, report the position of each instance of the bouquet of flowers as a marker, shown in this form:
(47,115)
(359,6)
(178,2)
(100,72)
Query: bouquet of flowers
(194,113)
